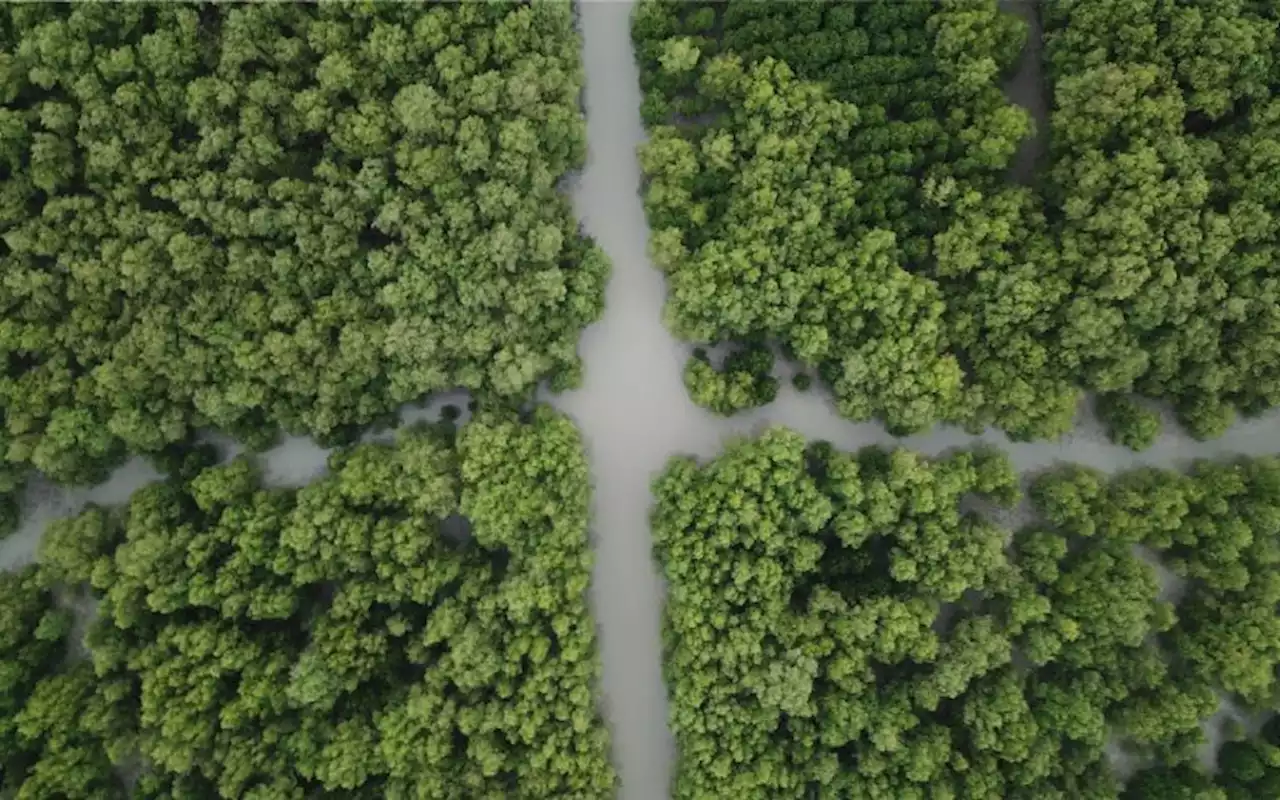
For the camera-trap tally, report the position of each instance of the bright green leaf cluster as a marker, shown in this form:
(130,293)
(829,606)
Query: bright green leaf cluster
(353,637)
(849,625)
(832,177)
(745,380)
(1164,173)
(265,215)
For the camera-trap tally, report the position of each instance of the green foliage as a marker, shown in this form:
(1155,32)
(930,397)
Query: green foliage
(1251,768)
(1163,132)
(64,724)
(832,176)
(52,720)
(9,514)
(330,640)
(31,633)
(1181,782)
(841,194)
(1128,421)
(73,549)
(845,625)
(264,216)
(745,380)
(11,481)
(1216,527)
(802,585)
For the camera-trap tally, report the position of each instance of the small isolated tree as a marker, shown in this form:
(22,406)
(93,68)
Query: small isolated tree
(745,380)
(1128,421)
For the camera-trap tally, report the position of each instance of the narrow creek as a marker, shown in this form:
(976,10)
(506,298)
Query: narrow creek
(635,414)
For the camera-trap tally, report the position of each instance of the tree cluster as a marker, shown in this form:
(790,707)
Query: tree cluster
(744,380)
(832,177)
(52,716)
(254,216)
(855,625)
(829,176)
(1164,167)
(412,625)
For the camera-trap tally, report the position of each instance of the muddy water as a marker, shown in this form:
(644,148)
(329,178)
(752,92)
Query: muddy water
(43,502)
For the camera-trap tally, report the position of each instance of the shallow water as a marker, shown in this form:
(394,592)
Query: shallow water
(635,414)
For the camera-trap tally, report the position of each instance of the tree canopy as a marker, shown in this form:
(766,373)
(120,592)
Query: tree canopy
(1128,421)
(252,216)
(1165,135)
(53,719)
(744,379)
(834,177)
(856,625)
(336,639)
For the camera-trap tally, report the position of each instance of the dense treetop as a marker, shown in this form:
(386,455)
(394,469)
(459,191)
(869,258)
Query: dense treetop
(263,215)
(788,194)
(849,625)
(832,177)
(340,639)
(52,717)
(1165,161)
(1129,422)
(743,380)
